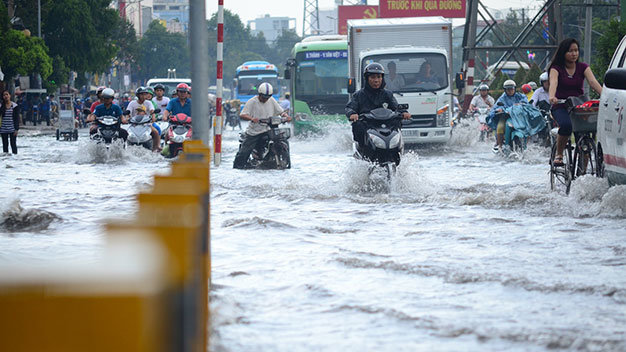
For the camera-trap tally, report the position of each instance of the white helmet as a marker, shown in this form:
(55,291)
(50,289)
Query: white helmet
(532,85)
(265,89)
(544,77)
(483,87)
(108,93)
(509,83)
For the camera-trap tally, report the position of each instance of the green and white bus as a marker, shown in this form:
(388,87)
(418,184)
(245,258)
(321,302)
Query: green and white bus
(318,81)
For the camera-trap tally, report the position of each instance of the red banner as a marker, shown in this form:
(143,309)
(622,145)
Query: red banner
(355,12)
(422,8)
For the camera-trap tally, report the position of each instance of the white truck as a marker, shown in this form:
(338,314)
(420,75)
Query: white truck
(416,55)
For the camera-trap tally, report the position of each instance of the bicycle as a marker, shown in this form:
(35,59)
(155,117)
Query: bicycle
(587,156)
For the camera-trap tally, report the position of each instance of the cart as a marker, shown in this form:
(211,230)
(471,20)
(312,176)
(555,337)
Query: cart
(67,119)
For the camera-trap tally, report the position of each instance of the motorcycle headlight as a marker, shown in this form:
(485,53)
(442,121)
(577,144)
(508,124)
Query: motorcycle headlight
(378,142)
(395,141)
(302,116)
(178,138)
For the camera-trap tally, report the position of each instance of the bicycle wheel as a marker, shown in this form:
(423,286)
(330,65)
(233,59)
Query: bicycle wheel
(561,176)
(586,157)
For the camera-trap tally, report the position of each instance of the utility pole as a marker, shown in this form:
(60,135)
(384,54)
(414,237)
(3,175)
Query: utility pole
(622,7)
(311,20)
(39,17)
(10,8)
(199,70)
(587,58)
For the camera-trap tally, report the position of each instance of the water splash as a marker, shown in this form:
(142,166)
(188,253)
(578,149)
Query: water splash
(15,218)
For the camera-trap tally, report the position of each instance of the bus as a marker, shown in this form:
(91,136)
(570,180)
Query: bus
(318,81)
(250,75)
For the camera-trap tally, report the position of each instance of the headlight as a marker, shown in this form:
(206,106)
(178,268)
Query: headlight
(395,141)
(443,116)
(378,142)
(179,138)
(302,116)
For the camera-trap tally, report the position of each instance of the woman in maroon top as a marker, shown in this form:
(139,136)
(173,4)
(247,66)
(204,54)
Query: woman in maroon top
(567,77)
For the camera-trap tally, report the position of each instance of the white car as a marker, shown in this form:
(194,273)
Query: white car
(611,122)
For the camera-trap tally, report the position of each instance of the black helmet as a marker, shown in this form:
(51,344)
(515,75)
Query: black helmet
(139,91)
(159,86)
(374,67)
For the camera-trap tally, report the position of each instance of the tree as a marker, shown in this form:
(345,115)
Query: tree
(519,77)
(60,74)
(23,55)
(613,31)
(282,46)
(533,74)
(160,50)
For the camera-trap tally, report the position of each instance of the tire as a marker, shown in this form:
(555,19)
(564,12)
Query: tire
(585,152)
(600,162)
(75,135)
(282,156)
(560,177)
(58,134)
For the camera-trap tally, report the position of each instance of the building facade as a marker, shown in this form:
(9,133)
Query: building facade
(175,14)
(272,27)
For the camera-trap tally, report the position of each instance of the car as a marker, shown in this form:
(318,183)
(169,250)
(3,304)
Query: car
(611,113)
(169,83)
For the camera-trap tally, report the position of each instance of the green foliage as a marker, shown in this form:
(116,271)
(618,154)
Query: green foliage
(613,31)
(160,50)
(60,74)
(4,18)
(519,77)
(533,75)
(23,55)
(125,39)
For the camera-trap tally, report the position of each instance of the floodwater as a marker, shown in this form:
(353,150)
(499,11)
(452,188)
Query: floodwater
(462,251)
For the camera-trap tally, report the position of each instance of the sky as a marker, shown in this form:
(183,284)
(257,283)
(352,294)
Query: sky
(251,9)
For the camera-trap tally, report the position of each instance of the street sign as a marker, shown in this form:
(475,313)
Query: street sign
(422,8)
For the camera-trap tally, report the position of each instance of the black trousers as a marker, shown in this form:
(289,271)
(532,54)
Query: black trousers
(5,142)
(241,159)
(359,128)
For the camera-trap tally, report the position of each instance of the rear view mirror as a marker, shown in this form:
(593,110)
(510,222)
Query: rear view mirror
(86,111)
(615,78)
(351,85)
(287,74)
(500,103)
(156,111)
(127,112)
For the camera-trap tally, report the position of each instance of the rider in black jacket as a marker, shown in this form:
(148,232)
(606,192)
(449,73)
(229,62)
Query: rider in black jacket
(373,95)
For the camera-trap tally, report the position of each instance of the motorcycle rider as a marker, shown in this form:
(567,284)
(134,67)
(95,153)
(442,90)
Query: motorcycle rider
(509,98)
(482,100)
(99,100)
(107,108)
(373,95)
(182,103)
(261,106)
(542,94)
(160,100)
(141,94)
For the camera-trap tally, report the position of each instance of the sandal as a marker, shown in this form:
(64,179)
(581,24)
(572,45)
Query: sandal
(558,161)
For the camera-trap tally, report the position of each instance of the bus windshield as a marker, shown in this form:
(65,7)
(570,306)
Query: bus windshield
(247,85)
(414,72)
(321,73)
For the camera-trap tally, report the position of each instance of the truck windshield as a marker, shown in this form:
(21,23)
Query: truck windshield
(321,76)
(413,72)
(247,85)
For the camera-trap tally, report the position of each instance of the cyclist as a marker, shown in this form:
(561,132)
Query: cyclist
(482,100)
(567,76)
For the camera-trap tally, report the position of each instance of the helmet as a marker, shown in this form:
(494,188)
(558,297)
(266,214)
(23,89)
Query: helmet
(265,89)
(100,89)
(544,77)
(532,85)
(159,86)
(526,88)
(483,87)
(509,83)
(183,87)
(149,90)
(373,67)
(108,93)
(139,91)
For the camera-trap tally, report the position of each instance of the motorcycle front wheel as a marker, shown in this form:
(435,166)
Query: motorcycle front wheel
(281,155)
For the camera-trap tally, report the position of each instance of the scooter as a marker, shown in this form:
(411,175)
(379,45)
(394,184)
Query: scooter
(108,129)
(139,131)
(272,151)
(383,142)
(517,141)
(178,132)
(480,115)
(232,116)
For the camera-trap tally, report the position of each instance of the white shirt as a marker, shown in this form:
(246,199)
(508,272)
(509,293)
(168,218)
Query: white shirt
(479,102)
(395,84)
(133,105)
(539,95)
(161,104)
(259,110)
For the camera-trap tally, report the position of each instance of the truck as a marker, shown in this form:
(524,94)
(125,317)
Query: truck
(416,54)
(318,72)
(250,75)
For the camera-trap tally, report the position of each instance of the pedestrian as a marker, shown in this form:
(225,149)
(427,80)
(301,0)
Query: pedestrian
(9,122)
(44,109)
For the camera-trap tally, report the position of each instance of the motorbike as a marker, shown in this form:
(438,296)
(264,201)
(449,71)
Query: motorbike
(383,145)
(108,129)
(232,116)
(480,115)
(272,151)
(178,132)
(139,131)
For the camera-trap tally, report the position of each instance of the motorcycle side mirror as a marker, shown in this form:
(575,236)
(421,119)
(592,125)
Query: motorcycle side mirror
(127,112)
(351,85)
(156,111)
(403,106)
(531,101)
(287,74)
(500,103)
(86,111)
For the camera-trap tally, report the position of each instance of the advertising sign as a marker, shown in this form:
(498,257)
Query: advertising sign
(421,8)
(356,12)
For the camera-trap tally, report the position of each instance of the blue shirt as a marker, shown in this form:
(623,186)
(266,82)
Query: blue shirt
(102,110)
(175,107)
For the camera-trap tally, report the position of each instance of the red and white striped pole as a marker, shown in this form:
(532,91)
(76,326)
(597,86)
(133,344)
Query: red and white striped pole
(217,142)
(469,86)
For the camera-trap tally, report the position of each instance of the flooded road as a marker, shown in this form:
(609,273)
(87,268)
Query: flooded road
(462,251)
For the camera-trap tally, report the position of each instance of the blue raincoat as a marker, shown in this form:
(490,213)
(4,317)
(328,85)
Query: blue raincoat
(508,102)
